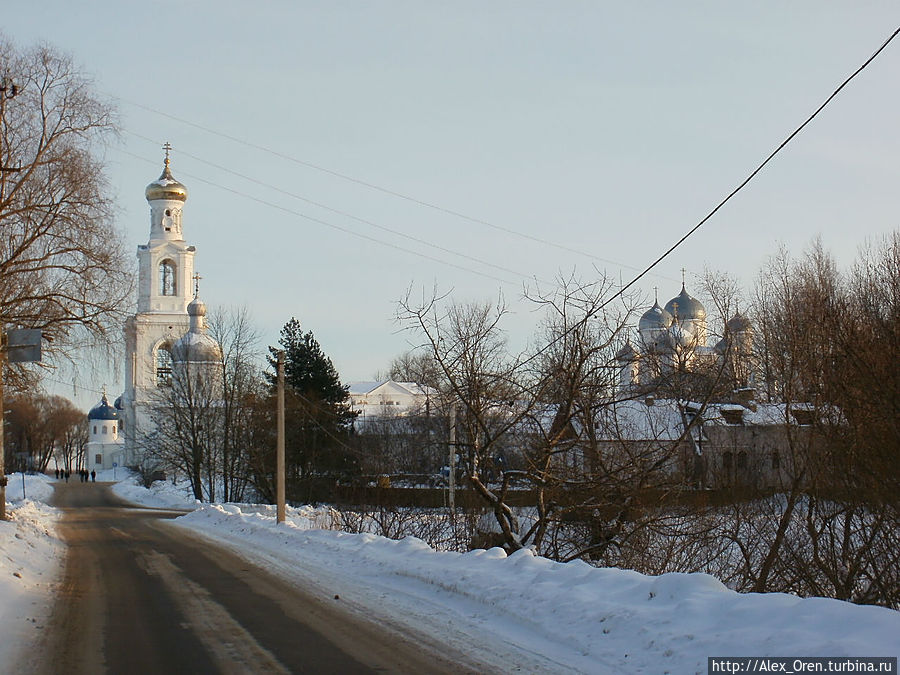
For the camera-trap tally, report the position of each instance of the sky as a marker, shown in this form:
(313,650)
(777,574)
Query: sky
(325,145)
(516,613)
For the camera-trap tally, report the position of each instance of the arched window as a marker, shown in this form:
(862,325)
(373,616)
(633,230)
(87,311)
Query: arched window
(167,278)
(163,367)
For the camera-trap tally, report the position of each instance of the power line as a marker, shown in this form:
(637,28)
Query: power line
(373,186)
(342,213)
(722,203)
(333,226)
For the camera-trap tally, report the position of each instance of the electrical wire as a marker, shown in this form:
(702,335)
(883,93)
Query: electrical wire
(718,206)
(333,226)
(341,213)
(373,186)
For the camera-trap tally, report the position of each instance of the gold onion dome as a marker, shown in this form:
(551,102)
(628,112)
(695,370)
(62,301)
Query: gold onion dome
(166,187)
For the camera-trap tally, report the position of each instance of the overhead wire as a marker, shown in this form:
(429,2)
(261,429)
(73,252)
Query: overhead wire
(339,212)
(718,206)
(333,226)
(376,187)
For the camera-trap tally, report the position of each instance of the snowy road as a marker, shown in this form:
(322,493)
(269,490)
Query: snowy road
(139,596)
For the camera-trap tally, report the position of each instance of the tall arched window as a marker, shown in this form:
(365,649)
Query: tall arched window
(167,278)
(163,367)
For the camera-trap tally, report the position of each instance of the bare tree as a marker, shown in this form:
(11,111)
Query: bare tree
(62,263)
(241,380)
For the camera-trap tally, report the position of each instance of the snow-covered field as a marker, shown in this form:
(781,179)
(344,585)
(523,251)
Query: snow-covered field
(31,559)
(520,609)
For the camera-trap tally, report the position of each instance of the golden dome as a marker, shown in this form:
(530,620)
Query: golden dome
(166,187)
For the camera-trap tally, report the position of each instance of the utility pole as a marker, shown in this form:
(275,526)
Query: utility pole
(279,448)
(452,482)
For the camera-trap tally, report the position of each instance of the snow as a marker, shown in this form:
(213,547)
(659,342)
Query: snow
(31,562)
(551,617)
(514,612)
(160,495)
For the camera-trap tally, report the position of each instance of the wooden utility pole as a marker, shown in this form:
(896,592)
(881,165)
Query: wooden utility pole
(452,478)
(279,448)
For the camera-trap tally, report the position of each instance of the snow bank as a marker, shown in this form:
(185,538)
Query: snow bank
(31,560)
(161,494)
(573,615)
(37,487)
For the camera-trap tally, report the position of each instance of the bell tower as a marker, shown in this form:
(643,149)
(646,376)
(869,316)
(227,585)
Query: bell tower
(165,269)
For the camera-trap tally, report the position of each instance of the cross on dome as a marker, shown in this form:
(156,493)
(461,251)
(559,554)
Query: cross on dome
(167,147)
(196,279)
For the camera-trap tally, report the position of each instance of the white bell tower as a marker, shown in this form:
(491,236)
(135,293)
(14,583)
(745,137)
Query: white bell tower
(165,269)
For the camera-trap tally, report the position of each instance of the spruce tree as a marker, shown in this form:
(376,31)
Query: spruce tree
(317,412)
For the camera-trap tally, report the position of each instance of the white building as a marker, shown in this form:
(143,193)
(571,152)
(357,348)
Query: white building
(379,400)
(166,268)
(105,442)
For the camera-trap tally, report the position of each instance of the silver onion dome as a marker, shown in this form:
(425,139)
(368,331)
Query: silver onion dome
(196,346)
(738,324)
(686,307)
(655,318)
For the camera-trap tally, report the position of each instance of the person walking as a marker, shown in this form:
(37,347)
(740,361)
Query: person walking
(93,476)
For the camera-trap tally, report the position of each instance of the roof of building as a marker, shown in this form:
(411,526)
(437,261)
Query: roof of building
(103,411)
(655,318)
(369,387)
(166,187)
(685,307)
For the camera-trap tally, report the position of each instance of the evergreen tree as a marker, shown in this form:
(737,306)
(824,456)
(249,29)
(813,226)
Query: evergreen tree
(317,412)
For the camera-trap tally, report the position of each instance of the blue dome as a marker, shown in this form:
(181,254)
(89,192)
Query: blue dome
(103,411)
(118,404)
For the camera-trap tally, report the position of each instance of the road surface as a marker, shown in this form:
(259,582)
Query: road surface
(140,596)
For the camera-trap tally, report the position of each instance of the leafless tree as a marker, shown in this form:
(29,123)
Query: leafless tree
(187,433)
(62,263)
(241,382)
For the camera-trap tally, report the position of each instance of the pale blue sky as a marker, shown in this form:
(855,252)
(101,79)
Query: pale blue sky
(609,128)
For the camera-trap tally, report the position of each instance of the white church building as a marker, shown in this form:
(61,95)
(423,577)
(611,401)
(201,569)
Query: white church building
(169,316)
(105,442)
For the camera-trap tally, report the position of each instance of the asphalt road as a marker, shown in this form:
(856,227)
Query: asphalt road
(139,596)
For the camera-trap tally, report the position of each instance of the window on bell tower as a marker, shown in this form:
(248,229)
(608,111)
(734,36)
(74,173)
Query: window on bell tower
(167,278)
(163,367)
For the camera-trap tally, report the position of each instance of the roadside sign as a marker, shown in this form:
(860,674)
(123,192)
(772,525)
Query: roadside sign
(23,345)
(115,464)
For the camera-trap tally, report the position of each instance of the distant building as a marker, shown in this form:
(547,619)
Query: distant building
(719,445)
(376,401)
(105,440)
(675,338)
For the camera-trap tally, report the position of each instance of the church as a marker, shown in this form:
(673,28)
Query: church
(168,330)
(675,338)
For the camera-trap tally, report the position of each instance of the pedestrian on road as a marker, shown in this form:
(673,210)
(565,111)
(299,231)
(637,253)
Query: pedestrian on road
(67,476)
(93,476)
(57,473)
